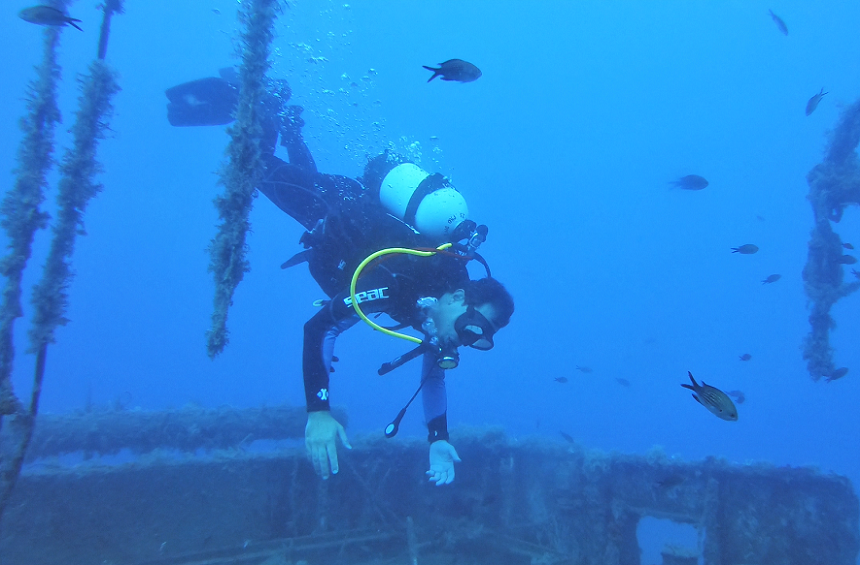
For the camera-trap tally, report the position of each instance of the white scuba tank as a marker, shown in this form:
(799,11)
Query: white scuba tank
(428,203)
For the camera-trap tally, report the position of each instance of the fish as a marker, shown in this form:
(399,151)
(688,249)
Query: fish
(738,395)
(813,102)
(856,273)
(690,182)
(561,380)
(836,374)
(771,279)
(623,382)
(745,249)
(745,357)
(455,69)
(848,259)
(583,369)
(48,16)
(847,246)
(567,437)
(716,401)
(779,23)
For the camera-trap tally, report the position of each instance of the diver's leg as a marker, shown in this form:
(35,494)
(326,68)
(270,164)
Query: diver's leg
(295,190)
(306,195)
(291,138)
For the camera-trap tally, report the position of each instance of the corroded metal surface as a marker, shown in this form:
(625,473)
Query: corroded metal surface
(187,429)
(516,502)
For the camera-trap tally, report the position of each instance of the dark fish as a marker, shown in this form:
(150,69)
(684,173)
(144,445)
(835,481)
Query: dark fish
(837,374)
(847,246)
(848,259)
(746,357)
(738,395)
(623,382)
(583,369)
(760,218)
(779,23)
(856,273)
(567,437)
(716,401)
(690,182)
(455,69)
(771,279)
(561,380)
(47,16)
(813,102)
(745,249)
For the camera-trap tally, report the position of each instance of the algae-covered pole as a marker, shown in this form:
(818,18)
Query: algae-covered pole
(22,216)
(50,299)
(833,185)
(20,209)
(244,167)
(76,188)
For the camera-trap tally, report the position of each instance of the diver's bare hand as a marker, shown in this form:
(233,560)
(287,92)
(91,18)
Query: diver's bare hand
(320,435)
(442,458)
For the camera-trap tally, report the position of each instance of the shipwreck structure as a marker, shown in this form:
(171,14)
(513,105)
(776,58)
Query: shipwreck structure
(229,487)
(196,487)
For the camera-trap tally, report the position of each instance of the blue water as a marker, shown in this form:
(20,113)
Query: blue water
(564,148)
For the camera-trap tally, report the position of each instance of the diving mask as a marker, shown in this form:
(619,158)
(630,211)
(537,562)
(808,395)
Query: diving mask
(474,330)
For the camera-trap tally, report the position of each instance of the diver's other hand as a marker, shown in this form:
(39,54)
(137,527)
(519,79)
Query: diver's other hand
(320,434)
(442,457)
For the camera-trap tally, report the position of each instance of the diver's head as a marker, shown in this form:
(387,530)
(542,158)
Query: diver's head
(471,316)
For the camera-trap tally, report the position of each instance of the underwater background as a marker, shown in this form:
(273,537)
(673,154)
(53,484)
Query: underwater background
(565,148)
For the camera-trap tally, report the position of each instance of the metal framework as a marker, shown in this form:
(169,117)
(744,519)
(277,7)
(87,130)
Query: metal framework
(533,501)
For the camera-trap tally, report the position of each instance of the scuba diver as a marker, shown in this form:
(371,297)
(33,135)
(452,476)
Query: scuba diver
(394,241)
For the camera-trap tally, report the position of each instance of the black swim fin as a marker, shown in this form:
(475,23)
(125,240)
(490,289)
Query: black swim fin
(297,259)
(207,101)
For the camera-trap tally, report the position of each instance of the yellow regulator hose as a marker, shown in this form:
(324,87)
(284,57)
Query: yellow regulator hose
(380,253)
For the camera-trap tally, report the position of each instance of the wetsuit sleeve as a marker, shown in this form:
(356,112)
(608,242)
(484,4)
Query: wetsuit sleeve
(435,399)
(376,292)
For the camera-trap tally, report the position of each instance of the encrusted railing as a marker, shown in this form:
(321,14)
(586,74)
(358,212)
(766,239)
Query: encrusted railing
(515,502)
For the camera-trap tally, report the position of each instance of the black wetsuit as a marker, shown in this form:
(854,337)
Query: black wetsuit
(346,223)
(342,207)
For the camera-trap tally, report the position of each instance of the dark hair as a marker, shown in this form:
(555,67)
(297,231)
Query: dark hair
(490,291)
